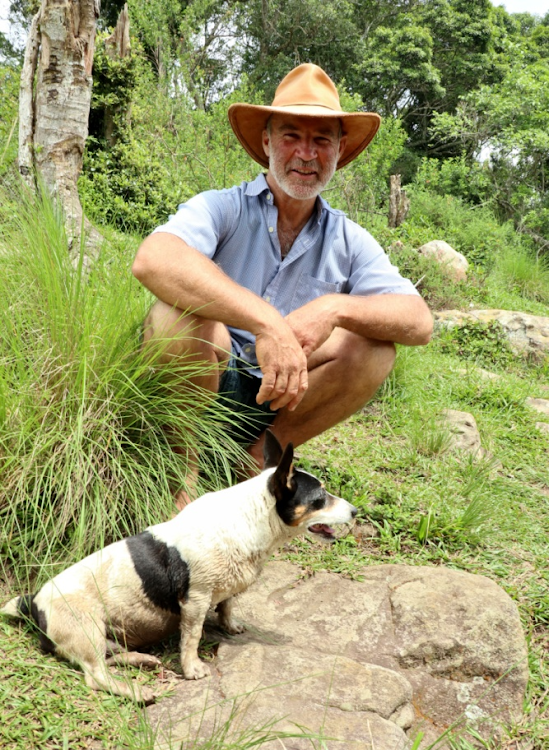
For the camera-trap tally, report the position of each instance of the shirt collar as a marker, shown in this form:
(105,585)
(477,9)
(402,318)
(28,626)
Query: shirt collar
(258,186)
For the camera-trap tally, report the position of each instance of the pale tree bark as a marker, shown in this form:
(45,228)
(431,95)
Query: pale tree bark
(54,105)
(399,203)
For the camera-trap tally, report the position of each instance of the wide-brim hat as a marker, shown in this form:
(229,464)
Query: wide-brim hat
(306,91)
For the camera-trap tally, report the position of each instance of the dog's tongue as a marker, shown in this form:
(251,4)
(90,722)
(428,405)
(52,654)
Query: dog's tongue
(321,528)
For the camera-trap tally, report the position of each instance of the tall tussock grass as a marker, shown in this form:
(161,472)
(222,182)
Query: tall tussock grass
(87,420)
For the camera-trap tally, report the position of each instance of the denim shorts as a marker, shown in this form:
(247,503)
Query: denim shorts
(237,391)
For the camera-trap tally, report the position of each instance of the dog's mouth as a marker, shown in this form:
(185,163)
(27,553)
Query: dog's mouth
(323,530)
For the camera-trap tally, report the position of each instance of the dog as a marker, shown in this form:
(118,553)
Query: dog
(142,589)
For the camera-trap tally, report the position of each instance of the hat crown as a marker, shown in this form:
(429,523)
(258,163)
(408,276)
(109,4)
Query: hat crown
(307,84)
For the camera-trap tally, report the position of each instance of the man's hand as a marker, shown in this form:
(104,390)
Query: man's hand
(284,367)
(282,354)
(313,323)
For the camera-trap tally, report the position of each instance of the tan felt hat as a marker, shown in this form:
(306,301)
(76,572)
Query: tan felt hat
(309,92)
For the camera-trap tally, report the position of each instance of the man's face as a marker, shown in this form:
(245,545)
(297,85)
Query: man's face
(303,153)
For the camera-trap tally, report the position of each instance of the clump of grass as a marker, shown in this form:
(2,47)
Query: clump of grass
(87,419)
(428,435)
(474,519)
(519,271)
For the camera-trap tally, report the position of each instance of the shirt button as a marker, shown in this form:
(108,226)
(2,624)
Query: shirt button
(269,196)
(271,229)
(267,298)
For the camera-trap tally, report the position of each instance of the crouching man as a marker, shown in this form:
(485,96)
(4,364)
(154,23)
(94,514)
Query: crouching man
(297,307)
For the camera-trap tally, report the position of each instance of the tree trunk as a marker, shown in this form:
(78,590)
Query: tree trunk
(54,106)
(399,203)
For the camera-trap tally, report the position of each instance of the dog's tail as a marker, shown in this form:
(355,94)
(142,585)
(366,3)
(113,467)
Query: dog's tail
(19,607)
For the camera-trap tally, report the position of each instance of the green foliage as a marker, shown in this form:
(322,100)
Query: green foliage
(9,85)
(482,343)
(399,66)
(278,34)
(419,63)
(512,120)
(114,81)
(473,231)
(518,271)
(87,419)
(169,154)
(457,176)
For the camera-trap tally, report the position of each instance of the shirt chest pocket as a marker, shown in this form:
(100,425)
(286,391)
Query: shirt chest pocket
(309,288)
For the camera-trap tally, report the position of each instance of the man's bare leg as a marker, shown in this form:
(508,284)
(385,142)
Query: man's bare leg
(192,339)
(344,374)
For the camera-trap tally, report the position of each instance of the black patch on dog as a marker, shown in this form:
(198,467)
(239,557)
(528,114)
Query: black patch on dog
(164,575)
(29,609)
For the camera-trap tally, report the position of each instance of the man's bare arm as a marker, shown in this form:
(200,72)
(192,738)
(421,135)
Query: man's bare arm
(400,318)
(182,277)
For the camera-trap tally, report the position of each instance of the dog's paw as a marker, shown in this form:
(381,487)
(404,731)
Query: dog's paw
(195,670)
(146,696)
(233,627)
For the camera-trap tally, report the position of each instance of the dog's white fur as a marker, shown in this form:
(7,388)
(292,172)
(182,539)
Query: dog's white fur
(224,538)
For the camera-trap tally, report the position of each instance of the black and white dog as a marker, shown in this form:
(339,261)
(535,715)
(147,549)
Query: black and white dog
(139,590)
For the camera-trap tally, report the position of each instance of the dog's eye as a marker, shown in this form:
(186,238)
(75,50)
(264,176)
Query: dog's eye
(319,503)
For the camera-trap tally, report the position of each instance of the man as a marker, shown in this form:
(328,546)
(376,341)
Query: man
(304,298)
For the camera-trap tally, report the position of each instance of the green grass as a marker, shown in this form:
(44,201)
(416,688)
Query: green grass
(87,419)
(85,458)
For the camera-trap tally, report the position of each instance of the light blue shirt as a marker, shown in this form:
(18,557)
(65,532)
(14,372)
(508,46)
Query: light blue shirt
(237,229)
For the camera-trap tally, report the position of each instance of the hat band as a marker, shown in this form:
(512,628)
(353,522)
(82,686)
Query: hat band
(306,104)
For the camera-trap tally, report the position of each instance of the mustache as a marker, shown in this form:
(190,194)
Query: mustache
(300,164)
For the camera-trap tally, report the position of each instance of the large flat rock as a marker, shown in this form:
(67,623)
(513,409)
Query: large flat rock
(526,334)
(364,663)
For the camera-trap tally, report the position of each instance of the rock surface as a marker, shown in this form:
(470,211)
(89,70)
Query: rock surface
(453,263)
(464,434)
(526,334)
(541,405)
(365,663)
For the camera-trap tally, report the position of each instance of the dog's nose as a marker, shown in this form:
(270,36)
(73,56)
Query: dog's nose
(354,511)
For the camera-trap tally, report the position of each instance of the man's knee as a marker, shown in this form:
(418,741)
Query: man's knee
(367,361)
(179,334)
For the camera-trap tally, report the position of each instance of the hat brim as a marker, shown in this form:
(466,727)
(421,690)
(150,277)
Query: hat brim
(248,122)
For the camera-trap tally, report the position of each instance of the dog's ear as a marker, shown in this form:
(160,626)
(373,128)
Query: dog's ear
(272,450)
(281,483)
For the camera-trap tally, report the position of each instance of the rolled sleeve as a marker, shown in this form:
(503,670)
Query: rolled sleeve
(200,222)
(371,270)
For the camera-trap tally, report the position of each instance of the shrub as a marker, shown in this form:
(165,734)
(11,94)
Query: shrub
(473,231)
(482,343)
(87,419)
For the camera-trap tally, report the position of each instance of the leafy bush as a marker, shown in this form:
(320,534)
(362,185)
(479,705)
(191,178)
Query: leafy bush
(169,153)
(473,231)
(482,343)
(465,179)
